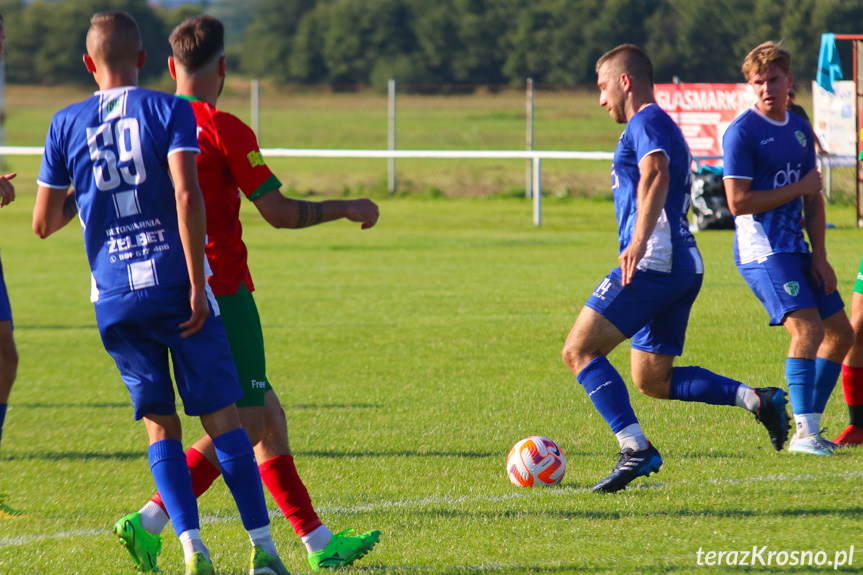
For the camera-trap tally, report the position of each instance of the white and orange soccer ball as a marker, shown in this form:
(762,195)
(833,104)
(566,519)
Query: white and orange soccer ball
(535,460)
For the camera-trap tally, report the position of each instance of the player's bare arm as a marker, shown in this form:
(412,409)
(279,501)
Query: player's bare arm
(50,212)
(652,191)
(191,218)
(282,212)
(7,190)
(815,222)
(743,200)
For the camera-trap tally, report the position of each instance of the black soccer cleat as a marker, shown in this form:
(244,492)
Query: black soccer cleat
(772,414)
(630,465)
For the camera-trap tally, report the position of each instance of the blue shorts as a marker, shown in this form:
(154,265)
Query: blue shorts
(140,329)
(784,283)
(5,306)
(653,309)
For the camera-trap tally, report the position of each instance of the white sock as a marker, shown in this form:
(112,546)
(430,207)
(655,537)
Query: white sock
(262,536)
(747,398)
(192,544)
(805,424)
(816,417)
(631,437)
(153,518)
(317,539)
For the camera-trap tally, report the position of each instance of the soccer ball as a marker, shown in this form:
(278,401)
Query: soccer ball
(535,460)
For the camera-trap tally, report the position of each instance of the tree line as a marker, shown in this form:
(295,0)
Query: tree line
(441,42)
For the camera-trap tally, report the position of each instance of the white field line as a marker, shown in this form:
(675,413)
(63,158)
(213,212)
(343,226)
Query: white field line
(439,500)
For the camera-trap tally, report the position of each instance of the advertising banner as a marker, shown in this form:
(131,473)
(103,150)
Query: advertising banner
(704,111)
(834,123)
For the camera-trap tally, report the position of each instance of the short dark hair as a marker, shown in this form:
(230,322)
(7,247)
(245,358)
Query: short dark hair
(197,41)
(628,59)
(114,38)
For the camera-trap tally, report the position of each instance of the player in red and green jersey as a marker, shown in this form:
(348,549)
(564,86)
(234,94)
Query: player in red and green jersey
(231,163)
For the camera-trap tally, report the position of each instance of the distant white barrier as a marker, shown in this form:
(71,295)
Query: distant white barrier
(536,156)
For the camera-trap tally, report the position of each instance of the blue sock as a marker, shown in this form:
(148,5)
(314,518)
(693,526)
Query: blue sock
(2,418)
(826,374)
(800,374)
(237,460)
(608,392)
(171,473)
(703,386)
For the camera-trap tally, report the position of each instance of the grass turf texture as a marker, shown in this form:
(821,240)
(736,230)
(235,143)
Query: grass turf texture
(409,359)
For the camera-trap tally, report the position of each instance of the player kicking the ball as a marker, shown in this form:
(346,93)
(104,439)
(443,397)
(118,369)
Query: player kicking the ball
(772,186)
(230,159)
(129,154)
(649,297)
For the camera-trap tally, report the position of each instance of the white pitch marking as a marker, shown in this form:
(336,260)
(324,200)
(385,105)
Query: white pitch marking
(436,500)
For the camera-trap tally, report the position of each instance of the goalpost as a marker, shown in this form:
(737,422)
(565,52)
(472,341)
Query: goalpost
(856,42)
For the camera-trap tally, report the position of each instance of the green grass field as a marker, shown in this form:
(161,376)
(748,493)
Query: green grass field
(410,358)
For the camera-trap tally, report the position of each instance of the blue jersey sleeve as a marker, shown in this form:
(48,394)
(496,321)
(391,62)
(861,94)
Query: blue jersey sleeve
(183,132)
(53,172)
(738,158)
(649,136)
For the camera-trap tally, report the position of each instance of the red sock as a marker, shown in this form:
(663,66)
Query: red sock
(283,482)
(852,384)
(203,473)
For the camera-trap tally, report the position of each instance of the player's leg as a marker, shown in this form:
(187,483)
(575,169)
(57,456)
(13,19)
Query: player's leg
(807,332)
(838,338)
(655,346)
(611,315)
(782,284)
(171,475)
(8,371)
(852,371)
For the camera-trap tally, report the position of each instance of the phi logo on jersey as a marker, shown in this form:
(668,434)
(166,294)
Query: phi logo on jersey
(792,288)
(786,176)
(602,289)
(801,138)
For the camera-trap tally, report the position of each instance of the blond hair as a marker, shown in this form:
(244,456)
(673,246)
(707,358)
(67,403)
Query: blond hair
(765,56)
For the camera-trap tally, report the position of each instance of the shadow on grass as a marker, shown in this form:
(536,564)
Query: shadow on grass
(586,568)
(47,405)
(76,456)
(334,406)
(853,512)
(406,453)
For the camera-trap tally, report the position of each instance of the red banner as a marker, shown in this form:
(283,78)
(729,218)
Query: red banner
(704,111)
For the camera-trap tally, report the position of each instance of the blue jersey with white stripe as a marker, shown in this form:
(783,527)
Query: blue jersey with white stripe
(113,149)
(772,155)
(671,247)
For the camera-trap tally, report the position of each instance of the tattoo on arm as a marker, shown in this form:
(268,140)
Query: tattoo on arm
(311,214)
(70,208)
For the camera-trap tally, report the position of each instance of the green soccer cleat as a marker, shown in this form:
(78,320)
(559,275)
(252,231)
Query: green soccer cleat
(344,549)
(7,512)
(144,547)
(263,563)
(199,565)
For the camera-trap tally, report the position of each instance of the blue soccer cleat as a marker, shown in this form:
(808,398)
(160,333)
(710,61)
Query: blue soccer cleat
(630,465)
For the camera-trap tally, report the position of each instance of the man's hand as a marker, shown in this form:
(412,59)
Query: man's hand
(811,182)
(200,311)
(7,190)
(629,259)
(364,210)
(823,273)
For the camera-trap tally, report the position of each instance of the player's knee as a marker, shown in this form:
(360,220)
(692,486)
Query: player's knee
(574,357)
(842,337)
(8,363)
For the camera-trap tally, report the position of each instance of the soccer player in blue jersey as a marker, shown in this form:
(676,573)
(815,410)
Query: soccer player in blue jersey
(648,298)
(8,352)
(129,155)
(774,192)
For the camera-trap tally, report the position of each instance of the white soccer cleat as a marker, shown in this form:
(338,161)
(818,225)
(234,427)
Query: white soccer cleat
(811,444)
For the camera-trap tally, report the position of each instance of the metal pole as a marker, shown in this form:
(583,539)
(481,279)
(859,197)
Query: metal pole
(256,108)
(528,178)
(537,191)
(391,172)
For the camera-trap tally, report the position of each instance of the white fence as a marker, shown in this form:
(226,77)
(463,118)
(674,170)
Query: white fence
(535,157)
